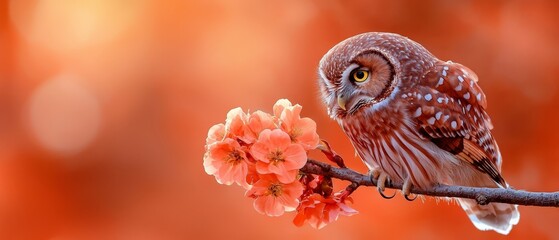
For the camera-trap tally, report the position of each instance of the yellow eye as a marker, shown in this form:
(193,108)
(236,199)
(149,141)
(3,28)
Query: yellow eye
(359,75)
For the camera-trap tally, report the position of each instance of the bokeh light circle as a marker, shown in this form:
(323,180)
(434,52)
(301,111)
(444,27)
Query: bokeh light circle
(64,25)
(64,115)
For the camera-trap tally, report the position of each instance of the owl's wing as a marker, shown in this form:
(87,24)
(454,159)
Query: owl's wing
(453,117)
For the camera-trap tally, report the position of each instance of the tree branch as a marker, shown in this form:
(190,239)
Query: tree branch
(481,195)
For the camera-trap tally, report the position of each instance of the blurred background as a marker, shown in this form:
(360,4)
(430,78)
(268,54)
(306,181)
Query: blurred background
(105,106)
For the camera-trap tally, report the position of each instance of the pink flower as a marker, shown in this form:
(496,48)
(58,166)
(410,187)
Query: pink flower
(227,161)
(236,125)
(300,130)
(215,134)
(252,175)
(257,122)
(319,211)
(273,197)
(281,105)
(276,154)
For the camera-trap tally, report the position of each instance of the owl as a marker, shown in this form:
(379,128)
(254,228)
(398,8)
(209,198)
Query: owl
(415,119)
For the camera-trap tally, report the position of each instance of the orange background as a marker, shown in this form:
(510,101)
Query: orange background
(105,105)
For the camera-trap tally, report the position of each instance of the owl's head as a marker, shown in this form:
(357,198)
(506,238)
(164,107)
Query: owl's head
(368,70)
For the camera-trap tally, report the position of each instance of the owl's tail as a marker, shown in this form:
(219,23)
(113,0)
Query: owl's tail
(499,217)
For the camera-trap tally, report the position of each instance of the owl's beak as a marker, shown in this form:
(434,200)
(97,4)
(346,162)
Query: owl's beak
(342,100)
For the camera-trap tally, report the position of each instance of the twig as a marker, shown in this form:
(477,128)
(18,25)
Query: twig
(481,195)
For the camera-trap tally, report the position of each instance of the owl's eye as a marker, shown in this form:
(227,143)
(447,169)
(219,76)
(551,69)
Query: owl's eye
(359,75)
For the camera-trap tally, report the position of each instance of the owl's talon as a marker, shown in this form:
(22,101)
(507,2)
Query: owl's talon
(381,178)
(406,190)
(407,197)
(381,192)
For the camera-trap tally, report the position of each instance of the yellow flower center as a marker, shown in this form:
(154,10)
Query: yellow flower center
(276,157)
(234,157)
(294,134)
(275,189)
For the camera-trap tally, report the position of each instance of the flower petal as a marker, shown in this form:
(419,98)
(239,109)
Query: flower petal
(294,190)
(273,207)
(289,204)
(287,176)
(215,134)
(210,165)
(223,175)
(258,121)
(277,168)
(260,151)
(295,157)
(299,219)
(262,167)
(279,139)
(260,205)
(308,136)
(280,105)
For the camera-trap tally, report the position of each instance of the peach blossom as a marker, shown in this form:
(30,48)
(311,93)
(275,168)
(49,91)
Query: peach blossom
(227,161)
(273,197)
(283,104)
(257,122)
(276,154)
(236,125)
(215,134)
(319,211)
(252,175)
(300,130)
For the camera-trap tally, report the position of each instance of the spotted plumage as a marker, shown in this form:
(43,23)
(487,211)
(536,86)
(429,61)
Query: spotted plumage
(415,118)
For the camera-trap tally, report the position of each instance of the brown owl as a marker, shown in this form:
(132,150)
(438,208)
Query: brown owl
(415,119)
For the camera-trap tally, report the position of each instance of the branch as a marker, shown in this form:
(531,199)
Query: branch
(481,195)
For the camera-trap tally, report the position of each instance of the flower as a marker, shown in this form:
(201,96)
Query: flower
(300,130)
(281,105)
(273,197)
(319,211)
(236,125)
(227,161)
(215,134)
(257,122)
(276,154)
(263,153)
(252,175)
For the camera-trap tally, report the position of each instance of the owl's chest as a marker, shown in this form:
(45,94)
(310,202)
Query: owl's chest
(375,124)
(388,139)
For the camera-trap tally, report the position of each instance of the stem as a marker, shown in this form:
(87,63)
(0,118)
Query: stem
(481,195)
